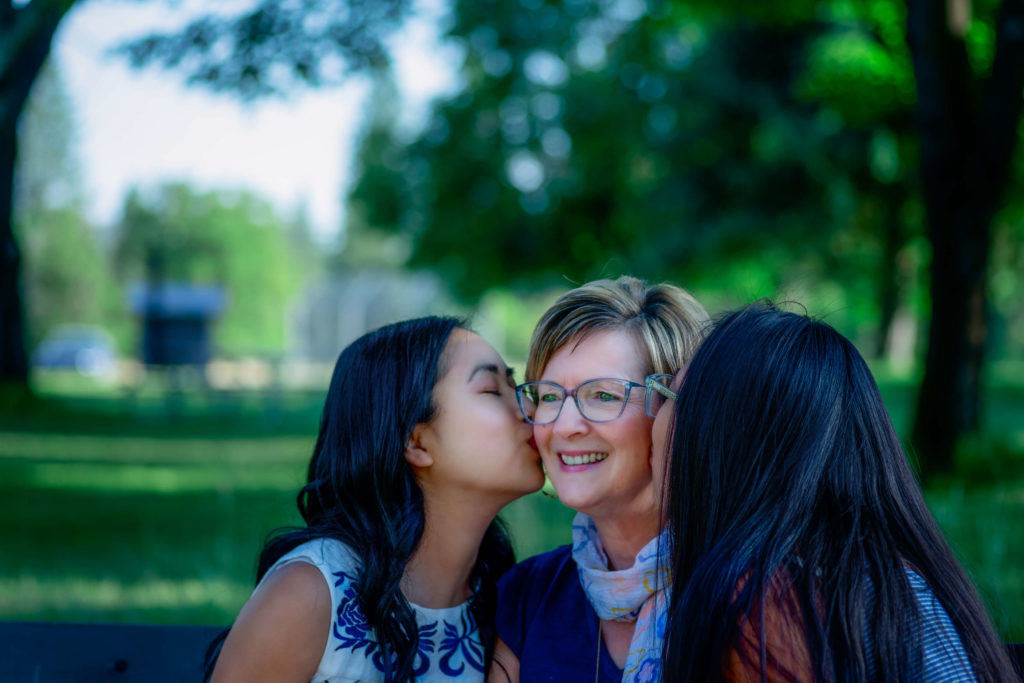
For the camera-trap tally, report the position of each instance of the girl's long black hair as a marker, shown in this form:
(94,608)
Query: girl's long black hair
(784,462)
(361,491)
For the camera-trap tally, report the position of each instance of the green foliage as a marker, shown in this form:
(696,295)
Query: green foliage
(684,142)
(66,276)
(841,67)
(234,240)
(588,141)
(49,174)
(970,518)
(67,279)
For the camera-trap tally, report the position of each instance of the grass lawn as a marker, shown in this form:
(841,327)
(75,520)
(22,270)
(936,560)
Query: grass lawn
(115,512)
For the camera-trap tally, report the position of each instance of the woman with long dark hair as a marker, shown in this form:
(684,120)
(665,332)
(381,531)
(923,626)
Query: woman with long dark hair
(801,546)
(393,576)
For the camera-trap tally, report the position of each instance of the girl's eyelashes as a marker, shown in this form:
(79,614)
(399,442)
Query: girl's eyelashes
(498,384)
(500,390)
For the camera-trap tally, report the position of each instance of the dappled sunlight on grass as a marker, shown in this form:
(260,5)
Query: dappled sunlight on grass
(131,529)
(27,596)
(129,449)
(105,463)
(162,479)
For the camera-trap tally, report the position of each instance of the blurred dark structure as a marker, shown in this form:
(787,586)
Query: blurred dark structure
(176,321)
(968,125)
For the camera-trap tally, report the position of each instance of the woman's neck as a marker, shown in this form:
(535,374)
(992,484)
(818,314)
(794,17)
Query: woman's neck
(624,535)
(437,574)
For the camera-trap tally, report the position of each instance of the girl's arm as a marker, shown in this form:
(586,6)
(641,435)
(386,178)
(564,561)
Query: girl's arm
(281,632)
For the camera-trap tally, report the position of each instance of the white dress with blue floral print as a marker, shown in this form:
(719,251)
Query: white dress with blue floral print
(449,647)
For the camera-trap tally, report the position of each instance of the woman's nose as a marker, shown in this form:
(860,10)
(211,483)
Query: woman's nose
(570,421)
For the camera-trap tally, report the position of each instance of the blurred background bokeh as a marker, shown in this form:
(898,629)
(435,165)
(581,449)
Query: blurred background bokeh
(163,364)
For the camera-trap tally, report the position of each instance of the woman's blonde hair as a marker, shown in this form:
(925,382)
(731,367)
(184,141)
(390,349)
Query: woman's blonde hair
(666,321)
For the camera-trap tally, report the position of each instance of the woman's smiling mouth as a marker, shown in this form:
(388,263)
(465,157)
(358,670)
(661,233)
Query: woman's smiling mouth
(581,458)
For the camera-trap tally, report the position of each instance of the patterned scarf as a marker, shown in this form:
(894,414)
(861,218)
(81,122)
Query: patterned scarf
(638,594)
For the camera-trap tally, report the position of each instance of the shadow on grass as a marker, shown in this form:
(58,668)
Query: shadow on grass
(204,413)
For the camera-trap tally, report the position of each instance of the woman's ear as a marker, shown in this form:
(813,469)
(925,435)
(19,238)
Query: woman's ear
(416,453)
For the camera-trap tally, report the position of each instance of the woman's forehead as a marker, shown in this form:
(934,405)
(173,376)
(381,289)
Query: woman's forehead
(469,350)
(609,353)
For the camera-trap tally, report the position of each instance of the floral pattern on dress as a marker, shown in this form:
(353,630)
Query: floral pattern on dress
(464,642)
(350,627)
(459,646)
(421,664)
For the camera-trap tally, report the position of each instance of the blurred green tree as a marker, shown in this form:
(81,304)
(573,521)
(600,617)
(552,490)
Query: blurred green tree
(266,48)
(659,138)
(66,275)
(654,143)
(49,170)
(234,240)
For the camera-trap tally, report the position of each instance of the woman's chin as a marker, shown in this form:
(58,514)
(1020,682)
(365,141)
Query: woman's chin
(580,503)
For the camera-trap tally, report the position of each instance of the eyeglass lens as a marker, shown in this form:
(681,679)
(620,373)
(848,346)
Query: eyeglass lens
(598,400)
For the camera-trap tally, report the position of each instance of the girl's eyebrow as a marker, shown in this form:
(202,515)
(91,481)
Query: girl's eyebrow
(493,369)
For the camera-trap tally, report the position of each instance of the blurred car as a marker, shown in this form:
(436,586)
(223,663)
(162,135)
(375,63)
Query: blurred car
(86,348)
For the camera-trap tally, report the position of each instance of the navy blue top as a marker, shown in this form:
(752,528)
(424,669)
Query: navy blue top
(545,619)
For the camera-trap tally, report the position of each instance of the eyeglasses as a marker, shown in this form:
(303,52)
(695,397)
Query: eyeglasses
(598,400)
(657,392)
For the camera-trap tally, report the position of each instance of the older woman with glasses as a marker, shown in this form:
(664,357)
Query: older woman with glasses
(588,611)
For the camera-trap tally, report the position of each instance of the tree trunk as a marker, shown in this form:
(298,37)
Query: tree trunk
(889,271)
(966,147)
(26,34)
(13,357)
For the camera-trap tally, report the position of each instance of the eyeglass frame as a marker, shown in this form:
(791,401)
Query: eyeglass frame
(649,385)
(654,383)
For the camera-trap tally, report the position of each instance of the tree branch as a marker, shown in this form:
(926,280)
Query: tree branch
(6,14)
(277,45)
(24,45)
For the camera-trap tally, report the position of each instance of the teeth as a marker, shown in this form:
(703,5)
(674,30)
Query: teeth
(584,459)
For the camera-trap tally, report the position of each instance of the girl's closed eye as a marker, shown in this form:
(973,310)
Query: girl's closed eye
(500,387)
(491,386)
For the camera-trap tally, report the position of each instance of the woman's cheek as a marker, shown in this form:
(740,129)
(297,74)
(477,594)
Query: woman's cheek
(542,437)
